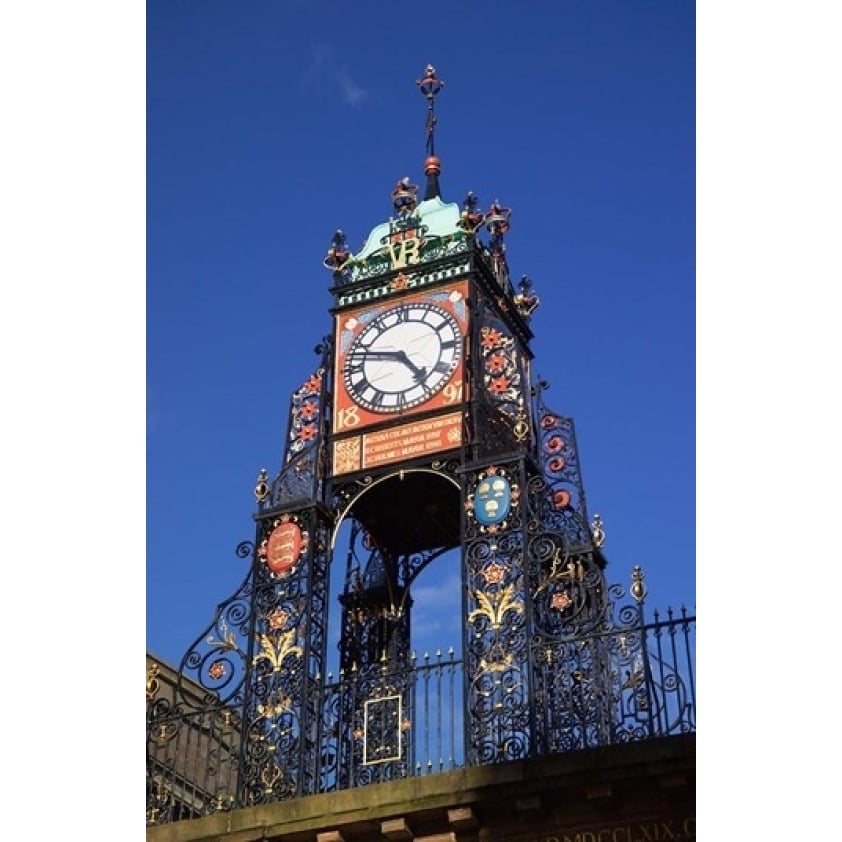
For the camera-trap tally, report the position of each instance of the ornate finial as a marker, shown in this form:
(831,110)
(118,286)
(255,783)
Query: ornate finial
(497,218)
(598,532)
(337,256)
(497,224)
(405,196)
(638,589)
(430,85)
(526,302)
(538,387)
(471,218)
(152,683)
(261,490)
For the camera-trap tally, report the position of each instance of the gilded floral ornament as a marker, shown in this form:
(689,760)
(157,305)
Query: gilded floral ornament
(275,652)
(273,709)
(270,776)
(495,606)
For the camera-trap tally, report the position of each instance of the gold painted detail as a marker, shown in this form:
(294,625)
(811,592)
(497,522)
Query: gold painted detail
(503,663)
(162,801)
(228,641)
(164,732)
(400,282)
(563,572)
(638,589)
(261,489)
(416,278)
(347,455)
(222,801)
(495,606)
(273,709)
(270,776)
(598,531)
(152,683)
(634,679)
(521,427)
(277,651)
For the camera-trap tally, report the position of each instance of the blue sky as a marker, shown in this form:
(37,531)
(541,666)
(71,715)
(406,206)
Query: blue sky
(271,124)
(170,184)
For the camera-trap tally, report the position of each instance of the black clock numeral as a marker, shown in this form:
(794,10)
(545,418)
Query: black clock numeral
(389,366)
(376,400)
(394,318)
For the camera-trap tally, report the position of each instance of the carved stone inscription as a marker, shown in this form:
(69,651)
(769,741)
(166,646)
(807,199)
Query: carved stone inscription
(657,830)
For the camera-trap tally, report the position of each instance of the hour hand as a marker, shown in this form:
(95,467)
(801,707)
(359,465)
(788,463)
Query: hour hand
(418,373)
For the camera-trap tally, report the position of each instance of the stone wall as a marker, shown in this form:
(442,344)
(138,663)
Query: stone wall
(635,792)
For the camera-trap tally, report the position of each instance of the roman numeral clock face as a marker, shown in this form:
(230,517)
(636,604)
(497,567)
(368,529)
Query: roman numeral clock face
(402,358)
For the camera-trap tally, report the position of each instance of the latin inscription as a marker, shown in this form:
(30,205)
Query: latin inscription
(415,439)
(654,831)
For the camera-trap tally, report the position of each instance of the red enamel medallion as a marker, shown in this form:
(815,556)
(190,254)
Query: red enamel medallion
(283,547)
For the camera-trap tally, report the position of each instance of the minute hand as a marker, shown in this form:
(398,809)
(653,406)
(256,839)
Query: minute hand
(399,355)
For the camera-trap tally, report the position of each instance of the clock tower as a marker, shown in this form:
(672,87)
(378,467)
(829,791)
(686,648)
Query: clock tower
(422,433)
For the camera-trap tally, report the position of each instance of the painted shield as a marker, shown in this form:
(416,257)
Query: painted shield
(493,500)
(283,547)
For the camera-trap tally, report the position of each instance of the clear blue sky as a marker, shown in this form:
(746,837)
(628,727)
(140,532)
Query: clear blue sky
(203,156)
(271,124)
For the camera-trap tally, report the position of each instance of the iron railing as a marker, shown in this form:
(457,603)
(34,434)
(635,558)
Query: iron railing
(636,682)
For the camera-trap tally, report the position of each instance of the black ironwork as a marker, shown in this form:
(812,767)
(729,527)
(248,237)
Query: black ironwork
(622,678)
(552,658)
(430,85)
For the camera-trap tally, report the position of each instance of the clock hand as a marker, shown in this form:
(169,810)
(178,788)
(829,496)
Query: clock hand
(418,373)
(391,354)
(378,355)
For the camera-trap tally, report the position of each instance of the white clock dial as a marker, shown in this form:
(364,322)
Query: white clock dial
(403,357)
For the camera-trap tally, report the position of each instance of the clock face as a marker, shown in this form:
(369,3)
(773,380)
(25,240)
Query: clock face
(403,357)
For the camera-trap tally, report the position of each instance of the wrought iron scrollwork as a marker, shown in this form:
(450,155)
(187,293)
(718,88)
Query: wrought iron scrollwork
(217,661)
(278,754)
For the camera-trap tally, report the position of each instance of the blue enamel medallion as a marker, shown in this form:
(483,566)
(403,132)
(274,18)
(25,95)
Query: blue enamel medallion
(493,500)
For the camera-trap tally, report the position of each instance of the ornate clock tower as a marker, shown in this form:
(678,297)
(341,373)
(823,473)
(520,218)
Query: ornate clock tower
(421,433)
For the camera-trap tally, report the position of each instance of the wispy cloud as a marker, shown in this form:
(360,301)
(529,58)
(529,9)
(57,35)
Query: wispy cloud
(436,613)
(324,67)
(351,92)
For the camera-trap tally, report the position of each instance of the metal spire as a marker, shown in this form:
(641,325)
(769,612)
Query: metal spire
(430,85)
